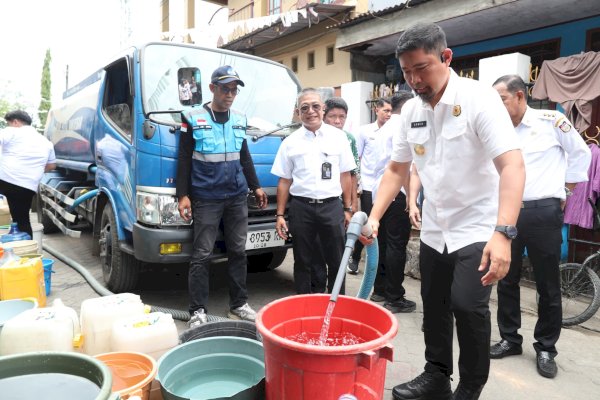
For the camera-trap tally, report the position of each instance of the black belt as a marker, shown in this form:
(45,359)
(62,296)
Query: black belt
(315,201)
(540,203)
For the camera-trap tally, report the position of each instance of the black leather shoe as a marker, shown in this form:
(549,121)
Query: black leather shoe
(400,306)
(466,391)
(505,348)
(377,298)
(427,386)
(546,365)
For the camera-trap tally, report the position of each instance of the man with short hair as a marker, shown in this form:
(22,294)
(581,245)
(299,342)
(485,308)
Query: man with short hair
(25,156)
(459,136)
(214,172)
(556,159)
(369,155)
(313,165)
(334,114)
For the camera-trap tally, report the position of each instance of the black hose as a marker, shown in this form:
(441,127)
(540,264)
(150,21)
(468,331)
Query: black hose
(102,291)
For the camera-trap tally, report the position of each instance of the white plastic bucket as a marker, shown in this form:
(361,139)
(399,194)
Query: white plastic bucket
(38,233)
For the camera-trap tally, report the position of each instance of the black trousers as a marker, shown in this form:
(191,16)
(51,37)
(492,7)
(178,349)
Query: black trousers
(366,204)
(451,289)
(312,224)
(207,218)
(19,202)
(540,232)
(394,233)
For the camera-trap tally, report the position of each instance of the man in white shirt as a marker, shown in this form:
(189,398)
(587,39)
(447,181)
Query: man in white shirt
(313,165)
(459,136)
(26,155)
(394,231)
(556,159)
(368,153)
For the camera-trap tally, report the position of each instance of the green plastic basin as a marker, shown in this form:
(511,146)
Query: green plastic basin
(220,367)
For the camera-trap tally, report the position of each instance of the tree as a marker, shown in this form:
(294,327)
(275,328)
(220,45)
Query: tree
(45,103)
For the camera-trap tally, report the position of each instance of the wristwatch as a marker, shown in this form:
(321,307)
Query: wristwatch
(509,230)
(348,209)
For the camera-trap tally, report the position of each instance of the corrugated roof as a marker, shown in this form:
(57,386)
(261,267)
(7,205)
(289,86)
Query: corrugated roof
(269,33)
(372,15)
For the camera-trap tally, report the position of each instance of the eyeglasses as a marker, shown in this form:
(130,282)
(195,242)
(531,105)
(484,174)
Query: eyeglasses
(226,90)
(306,108)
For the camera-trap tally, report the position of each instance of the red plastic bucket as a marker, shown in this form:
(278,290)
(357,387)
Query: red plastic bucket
(296,371)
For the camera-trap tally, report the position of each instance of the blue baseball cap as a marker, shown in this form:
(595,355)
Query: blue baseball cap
(225,74)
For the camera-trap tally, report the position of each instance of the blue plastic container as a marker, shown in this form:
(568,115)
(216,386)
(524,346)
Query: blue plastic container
(219,367)
(14,234)
(48,263)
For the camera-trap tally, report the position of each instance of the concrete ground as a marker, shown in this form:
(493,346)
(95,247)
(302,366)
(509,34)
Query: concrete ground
(511,378)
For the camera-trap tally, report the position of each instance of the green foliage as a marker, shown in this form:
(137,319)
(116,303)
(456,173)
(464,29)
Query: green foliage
(6,106)
(45,102)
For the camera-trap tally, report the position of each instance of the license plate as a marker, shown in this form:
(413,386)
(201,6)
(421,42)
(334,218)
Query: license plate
(263,239)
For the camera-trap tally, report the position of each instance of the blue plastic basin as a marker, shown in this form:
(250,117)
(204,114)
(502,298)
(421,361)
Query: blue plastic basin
(219,367)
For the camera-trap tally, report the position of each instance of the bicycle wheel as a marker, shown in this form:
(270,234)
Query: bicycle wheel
(580,293)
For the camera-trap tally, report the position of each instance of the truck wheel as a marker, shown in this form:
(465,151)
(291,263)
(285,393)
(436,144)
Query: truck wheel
(120,270)
(42,218)
(266,261)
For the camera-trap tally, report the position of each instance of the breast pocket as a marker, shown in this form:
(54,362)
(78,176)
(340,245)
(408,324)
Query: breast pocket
(419,140)
(458,141)
(239,133)
(297,158)
(205,139)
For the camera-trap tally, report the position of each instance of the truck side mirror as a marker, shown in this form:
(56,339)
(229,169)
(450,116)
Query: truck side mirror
(149,130)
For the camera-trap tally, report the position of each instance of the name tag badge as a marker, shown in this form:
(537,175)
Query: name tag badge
(326,170)
(418,124)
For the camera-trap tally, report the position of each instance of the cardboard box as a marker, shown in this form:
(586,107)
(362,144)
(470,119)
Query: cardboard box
(5,218)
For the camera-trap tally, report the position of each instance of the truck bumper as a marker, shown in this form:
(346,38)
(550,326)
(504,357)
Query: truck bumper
(147,241)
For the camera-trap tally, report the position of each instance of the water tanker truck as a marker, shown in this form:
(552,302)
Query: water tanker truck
(116,138)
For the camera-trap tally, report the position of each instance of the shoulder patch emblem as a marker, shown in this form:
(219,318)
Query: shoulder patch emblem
(564,126)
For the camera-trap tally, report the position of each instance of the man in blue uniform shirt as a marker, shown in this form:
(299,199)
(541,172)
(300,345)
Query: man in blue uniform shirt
(214,173)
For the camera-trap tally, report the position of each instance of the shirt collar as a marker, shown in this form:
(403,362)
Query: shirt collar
(317,132)
(450,92)
(528,117)
(449,96)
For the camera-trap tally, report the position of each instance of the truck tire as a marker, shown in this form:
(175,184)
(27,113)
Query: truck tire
(42,218)
(120,270)
(266,261)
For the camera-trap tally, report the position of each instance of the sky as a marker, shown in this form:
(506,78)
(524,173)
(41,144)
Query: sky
(81,34)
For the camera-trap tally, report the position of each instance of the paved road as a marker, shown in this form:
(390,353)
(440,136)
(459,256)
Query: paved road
(510,378)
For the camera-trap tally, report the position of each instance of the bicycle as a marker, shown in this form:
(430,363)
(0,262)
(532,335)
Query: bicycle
(580,287)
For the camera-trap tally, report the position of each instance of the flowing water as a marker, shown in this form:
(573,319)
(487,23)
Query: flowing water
(333,339)
(325,338)
(326,323)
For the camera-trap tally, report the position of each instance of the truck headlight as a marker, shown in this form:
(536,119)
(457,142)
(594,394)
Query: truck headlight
(147,208)
(158,209)
(169,211)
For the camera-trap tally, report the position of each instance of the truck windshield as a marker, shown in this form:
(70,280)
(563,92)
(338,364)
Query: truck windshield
(267,99)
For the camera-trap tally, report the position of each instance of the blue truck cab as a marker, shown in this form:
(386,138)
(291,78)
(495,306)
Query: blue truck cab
(116,138)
